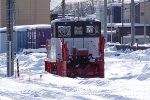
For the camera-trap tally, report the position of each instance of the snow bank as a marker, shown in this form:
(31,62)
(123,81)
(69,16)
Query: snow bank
(127,77)
(4,98)
(145,73)
(40,50)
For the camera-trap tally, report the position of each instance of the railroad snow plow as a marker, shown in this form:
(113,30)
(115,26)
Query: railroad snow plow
(76,49)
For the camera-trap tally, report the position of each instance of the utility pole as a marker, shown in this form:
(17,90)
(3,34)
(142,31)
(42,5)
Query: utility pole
(132,22)
(122,19)
(105,19)
(92,7)
(144,22)
(111,19)
(10,49)
(63,8)
(78,10)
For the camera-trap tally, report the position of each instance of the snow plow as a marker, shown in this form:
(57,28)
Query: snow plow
(76,49)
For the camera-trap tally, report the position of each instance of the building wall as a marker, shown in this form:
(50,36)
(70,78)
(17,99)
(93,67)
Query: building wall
(117,14)
(147,20)
(114,13)
(139,31)
(32,12)
(126,11)
(2,13)
(27,12)
(43,12)
(137,13)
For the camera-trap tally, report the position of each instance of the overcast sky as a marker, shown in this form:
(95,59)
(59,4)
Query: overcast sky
(55,3)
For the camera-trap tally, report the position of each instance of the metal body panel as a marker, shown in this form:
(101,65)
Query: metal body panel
(89,43)
(41,36)
(3,41)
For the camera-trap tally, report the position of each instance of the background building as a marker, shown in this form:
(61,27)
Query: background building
(139,12)
(114,13)
(2,13)
(147,12)
(27,12)
(127,13)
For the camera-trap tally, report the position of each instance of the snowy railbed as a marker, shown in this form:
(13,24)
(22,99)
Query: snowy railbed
(127,77)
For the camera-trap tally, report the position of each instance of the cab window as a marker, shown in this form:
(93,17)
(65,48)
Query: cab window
(96,28)
(78,31)
(64,31)
(89,29)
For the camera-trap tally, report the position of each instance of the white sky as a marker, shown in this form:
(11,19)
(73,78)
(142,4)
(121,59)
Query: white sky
(55,3)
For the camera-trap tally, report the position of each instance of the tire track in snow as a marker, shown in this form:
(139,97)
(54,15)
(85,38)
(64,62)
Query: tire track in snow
(17,96)
(58,92)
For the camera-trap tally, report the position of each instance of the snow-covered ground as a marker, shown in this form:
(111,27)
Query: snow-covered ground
(127,77)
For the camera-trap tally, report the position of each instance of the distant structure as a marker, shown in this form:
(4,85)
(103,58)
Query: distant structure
(114,13)
(147,12)
(2,13)
(27,12)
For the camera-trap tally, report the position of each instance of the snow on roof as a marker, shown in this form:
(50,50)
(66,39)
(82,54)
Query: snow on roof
(111,32)
(2,29)
(135,1)
(25,27)
(20,28)
(67,19)
(115,4)
(125,24)
(91,16)
(136,36)
(71,1)
(40,26)
(63,19)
